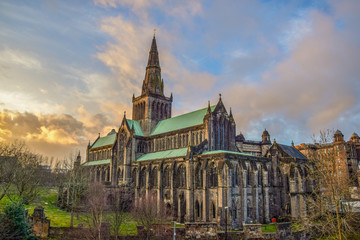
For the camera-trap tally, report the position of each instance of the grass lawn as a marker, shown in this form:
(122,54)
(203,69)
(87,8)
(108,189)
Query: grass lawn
(268,228)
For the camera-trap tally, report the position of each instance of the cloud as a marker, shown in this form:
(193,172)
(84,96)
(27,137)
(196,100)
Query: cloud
(313,88)
(15,57)
(53,134)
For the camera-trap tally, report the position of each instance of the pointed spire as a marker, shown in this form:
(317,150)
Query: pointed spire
(220,97)
(171,97)
(153,83)
(231,113)
(124,114)
(292,143)
(153,54)
(209,108)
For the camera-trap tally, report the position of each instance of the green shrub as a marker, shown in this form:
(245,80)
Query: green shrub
(13,222)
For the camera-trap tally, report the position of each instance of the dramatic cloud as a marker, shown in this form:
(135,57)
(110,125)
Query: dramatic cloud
(69,70)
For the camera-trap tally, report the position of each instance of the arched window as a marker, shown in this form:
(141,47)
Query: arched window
(236,177)
(213,210)
(248,177)
(213,176)
(108,174)
(143,178)
(153,178)
(180,142)
(166,112)
(184,141)
(201,136)
(260,177)
(166,177)
(158,110)
(133,177)
(181,176)
(197,209)
(162,111)
(198,176)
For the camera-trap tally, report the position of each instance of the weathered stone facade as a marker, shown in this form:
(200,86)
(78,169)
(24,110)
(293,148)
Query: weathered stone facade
(196,163)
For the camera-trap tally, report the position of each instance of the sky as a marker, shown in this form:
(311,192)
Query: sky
(69,69)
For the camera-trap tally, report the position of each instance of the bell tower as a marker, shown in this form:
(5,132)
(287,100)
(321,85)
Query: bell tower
(152,106)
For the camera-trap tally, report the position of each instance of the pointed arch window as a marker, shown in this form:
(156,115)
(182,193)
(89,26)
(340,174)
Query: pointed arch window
(166,177)
(198,176)
(213,176)
(181,176)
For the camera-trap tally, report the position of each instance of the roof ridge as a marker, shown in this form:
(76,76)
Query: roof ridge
(188,113)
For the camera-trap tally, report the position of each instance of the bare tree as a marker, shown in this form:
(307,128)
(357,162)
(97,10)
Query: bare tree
(96,207)
(19,168)
(120,202)
(148,211)
(74,185)
(328,213)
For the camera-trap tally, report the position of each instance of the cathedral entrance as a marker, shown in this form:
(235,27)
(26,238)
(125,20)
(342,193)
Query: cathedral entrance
(182,207)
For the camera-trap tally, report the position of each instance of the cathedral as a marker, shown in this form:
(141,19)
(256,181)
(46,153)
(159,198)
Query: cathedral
(196,164)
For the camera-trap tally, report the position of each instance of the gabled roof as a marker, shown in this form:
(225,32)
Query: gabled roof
(181,152)
(292,151)
(103,141)
(182,121)
(98,162)
(137,127)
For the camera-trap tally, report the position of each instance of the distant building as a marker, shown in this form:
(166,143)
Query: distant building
(347,154)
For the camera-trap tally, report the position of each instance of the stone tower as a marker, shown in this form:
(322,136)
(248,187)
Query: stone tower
(152,106)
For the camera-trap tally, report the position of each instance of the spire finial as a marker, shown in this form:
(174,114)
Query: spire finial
(219,96)
(292,143)
(124,114)
(154,31)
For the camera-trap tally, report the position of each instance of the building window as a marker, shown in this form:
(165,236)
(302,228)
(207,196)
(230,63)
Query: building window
(153,178)
(213,210)
(166,177)
(143,178)
(198,176)
(181,176)
(213,176)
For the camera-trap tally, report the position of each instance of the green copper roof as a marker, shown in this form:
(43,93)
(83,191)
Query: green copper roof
(103,141)
(98,162)
(224,151)
(181,152)
(182,121)
(137,127)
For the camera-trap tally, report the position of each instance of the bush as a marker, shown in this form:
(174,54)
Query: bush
(13,222)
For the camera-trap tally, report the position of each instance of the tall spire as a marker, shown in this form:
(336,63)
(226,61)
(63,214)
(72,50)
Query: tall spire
(153,83)
(153,55)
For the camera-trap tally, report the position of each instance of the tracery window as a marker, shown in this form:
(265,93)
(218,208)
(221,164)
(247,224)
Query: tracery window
(142,178)
(213,176)
(181,176)
(166,177)
(198,176)
(153,178)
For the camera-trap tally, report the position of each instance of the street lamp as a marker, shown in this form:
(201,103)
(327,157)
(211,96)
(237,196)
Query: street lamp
(226,208)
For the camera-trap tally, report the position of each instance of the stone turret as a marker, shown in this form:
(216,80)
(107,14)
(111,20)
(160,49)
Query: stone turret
(265,137)
(355,138)
(338,136)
